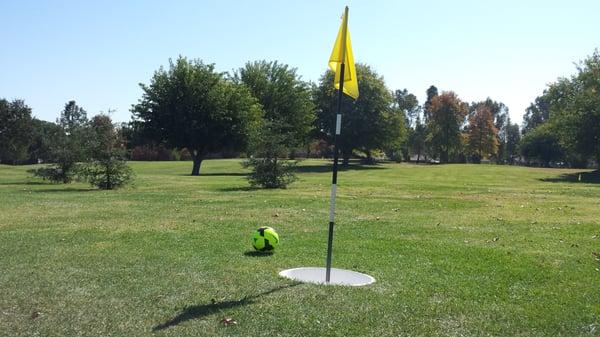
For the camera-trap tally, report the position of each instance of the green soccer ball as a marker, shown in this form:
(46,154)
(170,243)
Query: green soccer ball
(265,239)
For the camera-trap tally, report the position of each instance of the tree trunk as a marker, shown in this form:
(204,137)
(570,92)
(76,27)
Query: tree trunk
(198,157)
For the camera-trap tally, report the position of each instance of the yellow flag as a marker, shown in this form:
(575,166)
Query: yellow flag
(342,54)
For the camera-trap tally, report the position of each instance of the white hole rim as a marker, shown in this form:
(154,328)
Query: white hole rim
(334,280)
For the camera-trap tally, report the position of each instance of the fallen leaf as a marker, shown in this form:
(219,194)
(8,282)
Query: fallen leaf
(597,255)
(227,321)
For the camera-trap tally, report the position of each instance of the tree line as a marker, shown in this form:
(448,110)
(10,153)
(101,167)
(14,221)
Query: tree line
(78,148)
(265,111)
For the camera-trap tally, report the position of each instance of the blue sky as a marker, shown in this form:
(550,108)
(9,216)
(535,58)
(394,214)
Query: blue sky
(97,52)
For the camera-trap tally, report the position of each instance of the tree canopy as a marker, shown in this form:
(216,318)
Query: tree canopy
(15,130)
(482,134)
(569,109)
(284,97)
(191,105)
(445,117)
(369,122)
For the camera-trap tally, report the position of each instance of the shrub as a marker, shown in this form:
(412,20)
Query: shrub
(108,174)
(106,167)
(56,173)
(271,172)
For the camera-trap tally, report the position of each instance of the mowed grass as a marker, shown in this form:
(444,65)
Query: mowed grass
(457,250)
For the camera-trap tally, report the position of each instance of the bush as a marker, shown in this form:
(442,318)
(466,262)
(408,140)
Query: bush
(105,167)
(56,173)
(271,172)
(107,175)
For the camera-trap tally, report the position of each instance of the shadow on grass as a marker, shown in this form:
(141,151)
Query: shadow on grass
(238,189)
(27,183)
(65,190)
(218,174)
(199,311)
(256,253)
(592,177)
(328,167)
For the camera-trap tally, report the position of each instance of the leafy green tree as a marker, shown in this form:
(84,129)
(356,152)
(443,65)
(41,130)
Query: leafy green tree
(191,105)
(536,114)
(285,100)
(15,131)
(408,104)
(431,92)
(45,136)
(578,118)
(417,139)
(66,148)
(445,117)
(542,145)
(105,166)
(511,145)
(72,118)
(368,123)
(287,122)
(571,106)
(268,169)
(482,135)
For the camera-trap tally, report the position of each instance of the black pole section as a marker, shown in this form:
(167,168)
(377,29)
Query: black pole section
(334,175)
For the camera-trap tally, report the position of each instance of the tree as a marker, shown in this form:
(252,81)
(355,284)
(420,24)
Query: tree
(499,113)
(578,117)
(66,149)
(445,117)
(536,114)
(513,138)
(368,123)
(482,135)
(191,105)
(72,118)
(45,137)
(432,92)
(571,106)
(408,104)
(268,170)
(15,131)
(417,139)
(287,121)
(105,166)
(284,97)
(542,144)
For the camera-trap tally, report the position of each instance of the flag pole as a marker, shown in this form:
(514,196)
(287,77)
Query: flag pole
(338,127)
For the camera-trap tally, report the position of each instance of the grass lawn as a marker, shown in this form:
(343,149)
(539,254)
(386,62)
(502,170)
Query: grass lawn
(457,250)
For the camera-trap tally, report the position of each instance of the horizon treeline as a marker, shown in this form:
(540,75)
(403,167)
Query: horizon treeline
(189,111)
